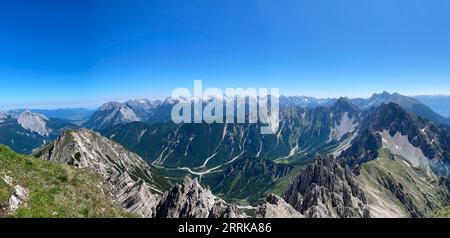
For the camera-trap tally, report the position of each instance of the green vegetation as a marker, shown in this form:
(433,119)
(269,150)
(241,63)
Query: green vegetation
(282,184)
(55,190)
(444,213)
(5,193)
(250,180)
(412,191)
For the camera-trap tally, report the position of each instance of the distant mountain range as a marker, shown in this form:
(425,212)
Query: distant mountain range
(438,103)
(114,113)
(409,104)
(73,115)
(155,111)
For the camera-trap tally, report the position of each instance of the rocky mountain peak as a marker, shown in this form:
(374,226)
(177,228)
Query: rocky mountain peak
(344,105)
(34,122)
(391,107)
(383,94)
(143,103)
(110,106)
(327,189)
(110,114)
(190,200)
(134,183)
(276,207)
(144,108)
(174,100)
(393,118)
(84,148)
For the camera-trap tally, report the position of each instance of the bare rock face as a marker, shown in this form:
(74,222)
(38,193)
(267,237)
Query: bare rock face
(134,196)
(34,122)
(327,189)
(131,180)
(276,207)
(190,200)
(224,210)
(111,114)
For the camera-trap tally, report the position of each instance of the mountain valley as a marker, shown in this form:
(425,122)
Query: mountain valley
(385,156)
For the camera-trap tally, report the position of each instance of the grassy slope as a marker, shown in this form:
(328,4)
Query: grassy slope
(424,191)
(282,184)
(55,190)
(250,190)
(444,213)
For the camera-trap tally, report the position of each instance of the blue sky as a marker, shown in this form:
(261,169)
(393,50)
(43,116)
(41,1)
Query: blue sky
(84,52)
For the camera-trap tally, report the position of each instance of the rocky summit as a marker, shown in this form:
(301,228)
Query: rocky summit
(190,200)
(276,207)
(327,189)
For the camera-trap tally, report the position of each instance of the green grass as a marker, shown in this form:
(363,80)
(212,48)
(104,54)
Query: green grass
(284,182)
(425,191)
(250,187)
(55,190)
(444,213)
(5,193)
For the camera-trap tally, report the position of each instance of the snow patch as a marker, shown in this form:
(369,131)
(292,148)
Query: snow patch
(400,145)
(141,135)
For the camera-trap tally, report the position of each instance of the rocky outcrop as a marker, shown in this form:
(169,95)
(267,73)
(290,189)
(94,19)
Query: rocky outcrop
(134,183)
(190,200)
(134,196)
(276,207)
(327,189)
(87,149)
(224,210)
(20,195)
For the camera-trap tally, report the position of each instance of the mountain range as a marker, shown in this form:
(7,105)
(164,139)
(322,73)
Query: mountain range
(76,116)
(385,156)
(115,113)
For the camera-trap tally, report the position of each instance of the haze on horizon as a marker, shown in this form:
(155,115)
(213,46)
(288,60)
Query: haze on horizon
(83,53)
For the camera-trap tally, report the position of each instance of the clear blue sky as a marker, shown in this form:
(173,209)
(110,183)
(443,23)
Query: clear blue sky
(83,52)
